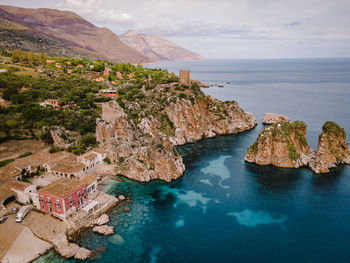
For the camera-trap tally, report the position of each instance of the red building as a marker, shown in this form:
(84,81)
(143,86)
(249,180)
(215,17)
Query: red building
(63,197)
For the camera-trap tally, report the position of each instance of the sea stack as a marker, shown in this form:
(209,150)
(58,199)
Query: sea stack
(284,145)
(332,149)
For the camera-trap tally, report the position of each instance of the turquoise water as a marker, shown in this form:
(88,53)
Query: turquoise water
(225,210)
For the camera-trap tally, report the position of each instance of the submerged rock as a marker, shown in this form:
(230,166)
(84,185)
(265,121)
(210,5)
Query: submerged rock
(285,145)
(273,118)
(69,250)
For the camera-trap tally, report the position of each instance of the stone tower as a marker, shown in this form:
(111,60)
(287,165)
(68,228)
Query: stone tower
(184,78)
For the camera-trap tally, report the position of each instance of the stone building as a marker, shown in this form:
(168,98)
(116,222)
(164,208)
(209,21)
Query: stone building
(184,78)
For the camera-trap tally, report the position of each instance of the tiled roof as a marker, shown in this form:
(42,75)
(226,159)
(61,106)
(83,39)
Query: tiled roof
(5,192)
(68,167)
(16,185)
(62,187)
(89,179)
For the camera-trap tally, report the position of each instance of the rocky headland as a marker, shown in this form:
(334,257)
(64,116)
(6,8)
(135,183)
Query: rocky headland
(140,135)
(284,145)
(272,118)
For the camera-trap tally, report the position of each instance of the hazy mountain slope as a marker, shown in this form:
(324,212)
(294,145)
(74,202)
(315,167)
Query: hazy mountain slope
(68,28)
(157,48)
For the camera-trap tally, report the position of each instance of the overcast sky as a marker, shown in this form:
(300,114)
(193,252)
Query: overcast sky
(225,28)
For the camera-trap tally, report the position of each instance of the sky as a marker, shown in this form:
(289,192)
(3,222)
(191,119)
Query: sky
(225,28)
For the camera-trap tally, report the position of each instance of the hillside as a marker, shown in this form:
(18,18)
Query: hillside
(55,31)
(157,48)
(136,115)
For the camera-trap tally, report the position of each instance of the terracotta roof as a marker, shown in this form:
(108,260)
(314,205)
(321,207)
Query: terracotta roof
(62,187)
(5,192)
(90,156)
(68,167)
(16,185)
(89,179)
(98,150)
(58,156)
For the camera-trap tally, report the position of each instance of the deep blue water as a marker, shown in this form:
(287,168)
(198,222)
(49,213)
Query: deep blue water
(225,210)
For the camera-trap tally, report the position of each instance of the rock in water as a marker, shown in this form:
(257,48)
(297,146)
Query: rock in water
(83,254)
(272,118)
(102,220)
(332,149)
(121,197)
(283,145)
(104,230)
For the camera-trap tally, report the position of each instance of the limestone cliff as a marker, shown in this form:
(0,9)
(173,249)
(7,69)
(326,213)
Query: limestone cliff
(282,144)
(140,134)
(332,149)
(285,145)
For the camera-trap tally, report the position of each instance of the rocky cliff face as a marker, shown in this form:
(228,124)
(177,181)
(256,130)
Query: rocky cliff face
(206,118)
(285,145)
(140,140)
(282,145)
(332,149)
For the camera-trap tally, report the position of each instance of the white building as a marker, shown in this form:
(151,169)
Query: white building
(26,193)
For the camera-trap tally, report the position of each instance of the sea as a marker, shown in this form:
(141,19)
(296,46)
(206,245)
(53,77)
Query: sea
(225,210)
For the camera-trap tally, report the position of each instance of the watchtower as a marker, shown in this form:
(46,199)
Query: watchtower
(184,78)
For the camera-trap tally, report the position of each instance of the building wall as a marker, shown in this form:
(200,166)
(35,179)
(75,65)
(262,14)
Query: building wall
(65,208)
(92,190)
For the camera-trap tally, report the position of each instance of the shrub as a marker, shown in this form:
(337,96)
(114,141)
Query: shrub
(332,127)
(107,160)
(25,154)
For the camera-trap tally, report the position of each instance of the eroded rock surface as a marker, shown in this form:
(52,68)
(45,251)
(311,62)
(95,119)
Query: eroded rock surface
(104,230)
(332,149)
(139,138)
(285,145)
(273,118)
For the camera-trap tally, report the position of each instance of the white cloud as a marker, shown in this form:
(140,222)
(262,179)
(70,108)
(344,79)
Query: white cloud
(225,28)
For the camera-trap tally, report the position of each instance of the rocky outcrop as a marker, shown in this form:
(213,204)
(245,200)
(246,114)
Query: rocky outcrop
(102,220)
(60,136)
(332,149)
(206,118)
(285,145)
(104,230)
(83,254)
(69,250)
(272,118)
(141,142)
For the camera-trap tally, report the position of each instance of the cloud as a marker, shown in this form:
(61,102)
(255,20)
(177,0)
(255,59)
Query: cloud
(292,24)
(225,28)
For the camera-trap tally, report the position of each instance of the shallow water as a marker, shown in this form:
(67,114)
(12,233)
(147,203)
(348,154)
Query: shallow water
(225,210)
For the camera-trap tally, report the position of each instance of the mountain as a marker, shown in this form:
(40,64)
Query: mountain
(157,48)
(54,31)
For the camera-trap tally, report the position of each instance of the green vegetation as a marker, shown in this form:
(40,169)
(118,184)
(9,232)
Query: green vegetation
(332,127)
(5,162)
(107,160)
(253,149)
(25,154)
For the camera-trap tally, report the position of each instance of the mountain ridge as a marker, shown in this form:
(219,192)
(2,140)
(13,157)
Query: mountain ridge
(157,48)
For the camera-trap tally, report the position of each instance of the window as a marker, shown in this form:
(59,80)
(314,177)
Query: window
(79,194)
(41,198)
(84,191)
(70,201)
(58,204)
(89,190)
(43,206)
(49,200)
